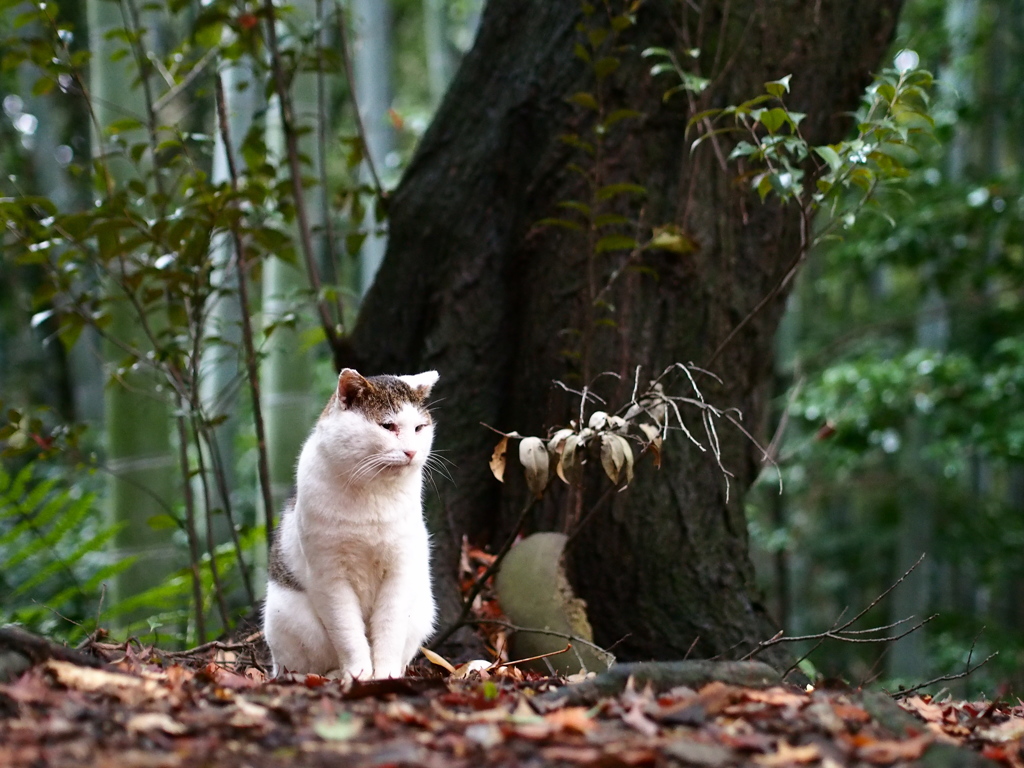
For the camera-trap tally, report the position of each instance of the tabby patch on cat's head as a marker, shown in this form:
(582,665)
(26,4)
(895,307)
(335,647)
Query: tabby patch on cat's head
(378,397)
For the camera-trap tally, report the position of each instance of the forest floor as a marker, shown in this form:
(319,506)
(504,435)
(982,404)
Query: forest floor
(138,706)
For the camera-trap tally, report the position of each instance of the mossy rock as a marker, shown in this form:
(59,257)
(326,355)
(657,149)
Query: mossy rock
(536,595)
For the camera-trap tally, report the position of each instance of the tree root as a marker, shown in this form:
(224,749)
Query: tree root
(661,676)
(21,650)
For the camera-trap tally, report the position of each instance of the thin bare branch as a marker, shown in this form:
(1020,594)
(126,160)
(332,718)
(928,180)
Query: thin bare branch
(346,57)
(481,581)
(177,88)
(190,528)
(515,628)
(251,359)
(293,156)
(842,632)
(943,678)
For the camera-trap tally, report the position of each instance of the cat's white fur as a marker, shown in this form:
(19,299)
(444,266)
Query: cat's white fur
(356,543)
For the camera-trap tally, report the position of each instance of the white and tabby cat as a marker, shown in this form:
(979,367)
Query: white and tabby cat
(349,573)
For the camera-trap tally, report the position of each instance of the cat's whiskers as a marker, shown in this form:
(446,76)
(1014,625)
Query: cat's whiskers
(367,469)
(436,454)
(437,492)
(433,464)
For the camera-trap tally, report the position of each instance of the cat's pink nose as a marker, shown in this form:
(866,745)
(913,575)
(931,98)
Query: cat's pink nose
(410,454)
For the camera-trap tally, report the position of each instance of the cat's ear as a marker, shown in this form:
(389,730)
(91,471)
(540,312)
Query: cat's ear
(421,383)
(350,386)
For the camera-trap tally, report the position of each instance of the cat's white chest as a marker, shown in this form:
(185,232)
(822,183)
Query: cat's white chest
(364,552)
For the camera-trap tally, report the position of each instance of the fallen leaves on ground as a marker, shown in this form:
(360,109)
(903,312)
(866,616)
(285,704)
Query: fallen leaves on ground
(147,710)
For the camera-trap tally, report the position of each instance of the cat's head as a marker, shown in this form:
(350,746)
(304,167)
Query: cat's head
(379,426)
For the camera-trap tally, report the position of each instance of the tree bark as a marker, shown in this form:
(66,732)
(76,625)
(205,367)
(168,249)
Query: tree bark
(473,287)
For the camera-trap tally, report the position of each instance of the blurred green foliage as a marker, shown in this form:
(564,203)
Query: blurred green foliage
(86,237)
(900,383)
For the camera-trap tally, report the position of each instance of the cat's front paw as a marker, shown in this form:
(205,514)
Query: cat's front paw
(362,672)
(348,674)
(389,670)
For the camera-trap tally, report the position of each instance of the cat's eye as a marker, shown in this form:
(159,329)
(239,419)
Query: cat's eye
(420,426)
(390,426)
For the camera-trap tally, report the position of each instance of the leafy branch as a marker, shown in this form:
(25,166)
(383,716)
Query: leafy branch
(832,184)
(639,426)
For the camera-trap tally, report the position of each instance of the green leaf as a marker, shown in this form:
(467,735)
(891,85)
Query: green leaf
(615,243)
(655,51)
(564,223)
(584,99)
(163,522)
(596,36)
(605,66)
(701,139)
(692,82)
(747,106)
(743,149)
(701,116)
(623,21)
(830,156)
(610,219)
(43,86)
(619,115)
(609,191)
(778,87)
(575,205)
(672,238)
(862,177)
(573,140)
(209,35)
(773,119)
(43,204)
(886,91)
(124,125)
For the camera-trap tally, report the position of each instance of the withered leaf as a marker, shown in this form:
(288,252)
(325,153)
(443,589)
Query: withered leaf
(342,728)
(788,755)
(694,752)
(436,658)
(571,754)
(570,463)
(155,721)
(617,458)
(653,435)
(572,719)
(557,441)
(533,455)
(122,686)
(887,751)
(672,238)
(498,459)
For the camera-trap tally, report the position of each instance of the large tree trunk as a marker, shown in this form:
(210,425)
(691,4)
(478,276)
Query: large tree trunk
(471,286)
